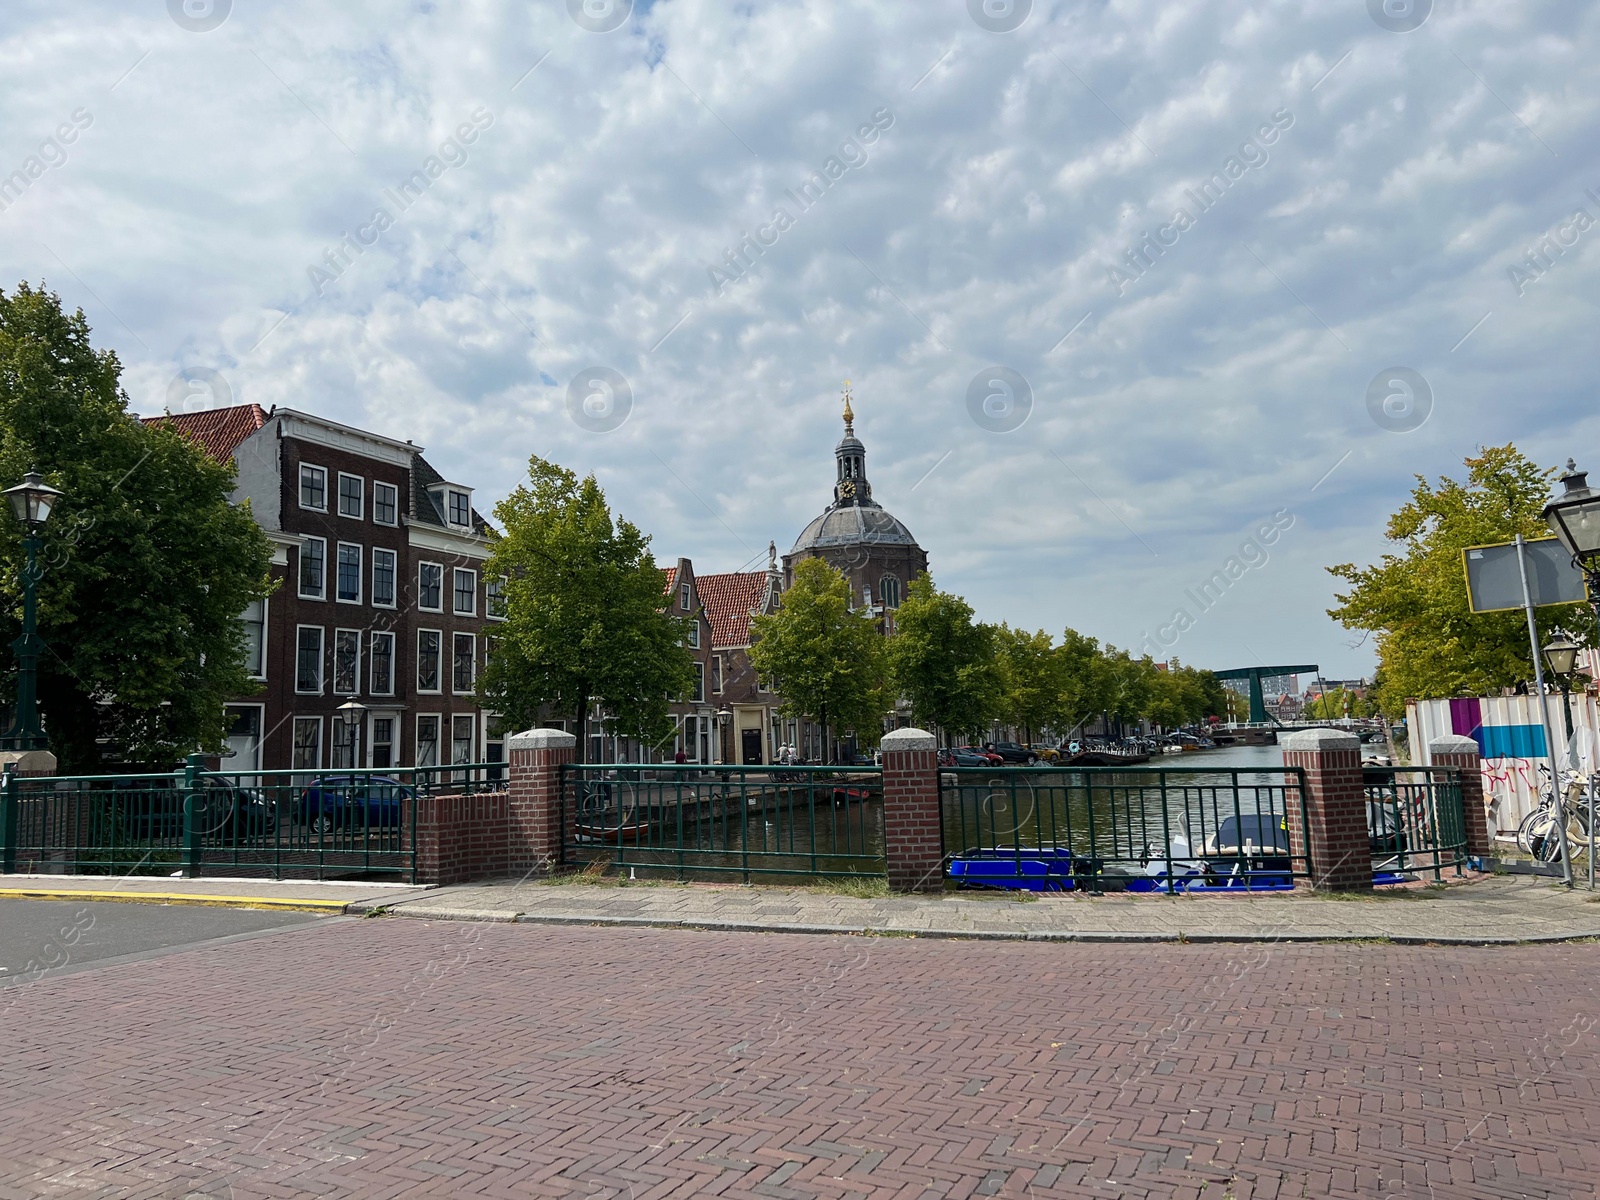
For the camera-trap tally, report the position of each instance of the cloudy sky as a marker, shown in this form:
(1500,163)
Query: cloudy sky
(1221,256)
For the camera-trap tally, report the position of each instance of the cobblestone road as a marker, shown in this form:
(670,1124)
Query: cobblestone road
(392,1057)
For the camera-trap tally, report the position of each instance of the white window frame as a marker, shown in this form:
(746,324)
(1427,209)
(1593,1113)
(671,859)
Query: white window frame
(488,607)
(450,495)
(717,666)
(294,739)
(376,484)
(361,496)
(694,634)
(322,660)
(438,608)
(438,688)
(685,597)
(472,741)
(333,682)
(300,487)
(455,691)
(299,568)
(341,548)
(372,658)
(697,690)
(394,577)
(263,602)
(416,744)
(370,741)
(455,591)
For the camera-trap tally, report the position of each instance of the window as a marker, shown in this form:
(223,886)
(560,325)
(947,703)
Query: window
(385,504)
(461,739)
(889,589)
(308,660)
(383,742)
(307,743)
(430,585)
(244,737)
(313,488)
(694,634)
(349,581)
(346,661)
(716,672)
(427,660)
(255,638)
(341,753)
(313,557)
(698,695)
(466,589)
(463,663)
(380,649)
(494,598)
(427,741)
(383,573)
(460,509)
(685,597)
(352,488)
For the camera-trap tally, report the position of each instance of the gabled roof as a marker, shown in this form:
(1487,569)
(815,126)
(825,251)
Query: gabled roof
(729,600)
(672,580)
(424,509)
(218,431)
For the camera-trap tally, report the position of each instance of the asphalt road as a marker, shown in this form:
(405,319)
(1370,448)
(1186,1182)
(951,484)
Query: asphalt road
(41,938)
(398,1058)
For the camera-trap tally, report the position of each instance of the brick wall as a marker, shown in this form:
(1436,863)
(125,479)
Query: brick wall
(913,838)
(1334,830)
(460,838)
(1461,753)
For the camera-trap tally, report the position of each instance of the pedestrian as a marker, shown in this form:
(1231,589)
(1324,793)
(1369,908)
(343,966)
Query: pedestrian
(680,757)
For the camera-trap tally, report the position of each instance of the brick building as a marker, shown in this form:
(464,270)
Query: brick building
(380,597)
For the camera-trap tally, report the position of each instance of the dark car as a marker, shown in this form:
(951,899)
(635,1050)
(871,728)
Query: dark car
(964,756)
(1012,752)
(151,809)
(332,802)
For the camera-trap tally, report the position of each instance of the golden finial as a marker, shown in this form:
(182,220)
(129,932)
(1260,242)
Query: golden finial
(849,416)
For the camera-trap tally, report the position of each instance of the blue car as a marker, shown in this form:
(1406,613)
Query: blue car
(338,801)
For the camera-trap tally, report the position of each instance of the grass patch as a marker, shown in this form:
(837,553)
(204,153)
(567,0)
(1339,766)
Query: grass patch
(862,887)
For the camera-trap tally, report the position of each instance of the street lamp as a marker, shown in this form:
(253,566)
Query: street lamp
(1561,653)
(353,712)
(724,741)
(31,501)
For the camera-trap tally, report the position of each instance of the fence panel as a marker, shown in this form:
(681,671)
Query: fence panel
(1121,828)
(715,821)
(1416,819)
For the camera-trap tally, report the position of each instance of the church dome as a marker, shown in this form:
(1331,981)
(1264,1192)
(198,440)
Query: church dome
(853,525)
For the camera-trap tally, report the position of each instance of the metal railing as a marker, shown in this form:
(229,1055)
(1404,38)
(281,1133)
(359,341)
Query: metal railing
(318,824)
(1416,819)
(1122,828)
(715,821)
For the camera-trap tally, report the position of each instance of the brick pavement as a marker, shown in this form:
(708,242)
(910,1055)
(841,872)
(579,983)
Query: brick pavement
(388,1058)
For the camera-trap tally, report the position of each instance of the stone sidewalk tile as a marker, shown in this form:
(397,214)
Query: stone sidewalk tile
(1486,910)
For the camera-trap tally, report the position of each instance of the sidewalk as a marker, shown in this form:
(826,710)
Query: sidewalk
(1487,910)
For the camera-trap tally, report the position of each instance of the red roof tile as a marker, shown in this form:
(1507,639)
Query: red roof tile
(218,430)
(672,578)
(728,601)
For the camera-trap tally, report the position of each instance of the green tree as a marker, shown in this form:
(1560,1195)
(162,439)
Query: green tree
(1084,678)
(585,613)
(1031,680)
(1415,602)
(943,662)
(145,567)
(824,658)
(1131,684)
(1177,697)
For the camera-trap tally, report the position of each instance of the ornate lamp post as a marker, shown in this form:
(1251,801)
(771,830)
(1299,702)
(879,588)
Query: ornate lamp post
(353,712)
(31,501)
(724,739)
(1561,653)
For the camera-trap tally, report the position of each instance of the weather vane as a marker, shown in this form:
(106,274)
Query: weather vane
(849,415)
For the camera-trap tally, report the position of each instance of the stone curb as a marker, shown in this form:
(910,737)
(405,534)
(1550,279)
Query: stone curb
(504,916)
(204,901)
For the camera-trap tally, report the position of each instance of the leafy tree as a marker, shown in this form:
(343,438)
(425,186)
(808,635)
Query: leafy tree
(1084,678)
(1415,602)
(1215,695)
(943,662)
(1340,702)
(1177,697)
(1131,684)
(1031,680)
(145,565)
(585,614)
(822,656)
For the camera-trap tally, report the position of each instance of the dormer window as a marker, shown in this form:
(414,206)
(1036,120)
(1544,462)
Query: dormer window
(460,508)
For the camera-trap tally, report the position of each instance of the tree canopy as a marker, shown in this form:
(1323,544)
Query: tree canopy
(823,657)
(1414,602)
(944,662)
(145,566)
(586,617)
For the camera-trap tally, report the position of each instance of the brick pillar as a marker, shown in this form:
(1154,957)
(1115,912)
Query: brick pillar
(1453,750)
(536,758)
(1335,826)
(913,839)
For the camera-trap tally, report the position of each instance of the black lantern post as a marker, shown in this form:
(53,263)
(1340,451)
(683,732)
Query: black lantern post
(353,712)
(31,501)
(1561,653)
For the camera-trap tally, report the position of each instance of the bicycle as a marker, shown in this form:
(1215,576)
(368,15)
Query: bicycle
(1535,833)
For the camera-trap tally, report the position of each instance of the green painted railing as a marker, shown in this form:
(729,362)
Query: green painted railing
(1416,819)
(1115,828)
(709,822)
(318,824)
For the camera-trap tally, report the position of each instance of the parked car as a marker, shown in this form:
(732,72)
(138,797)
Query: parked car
(990,758)
(149,809)
(336,801)
(1012,752)
(963,756)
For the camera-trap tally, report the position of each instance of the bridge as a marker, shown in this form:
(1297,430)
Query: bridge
(1258,701)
